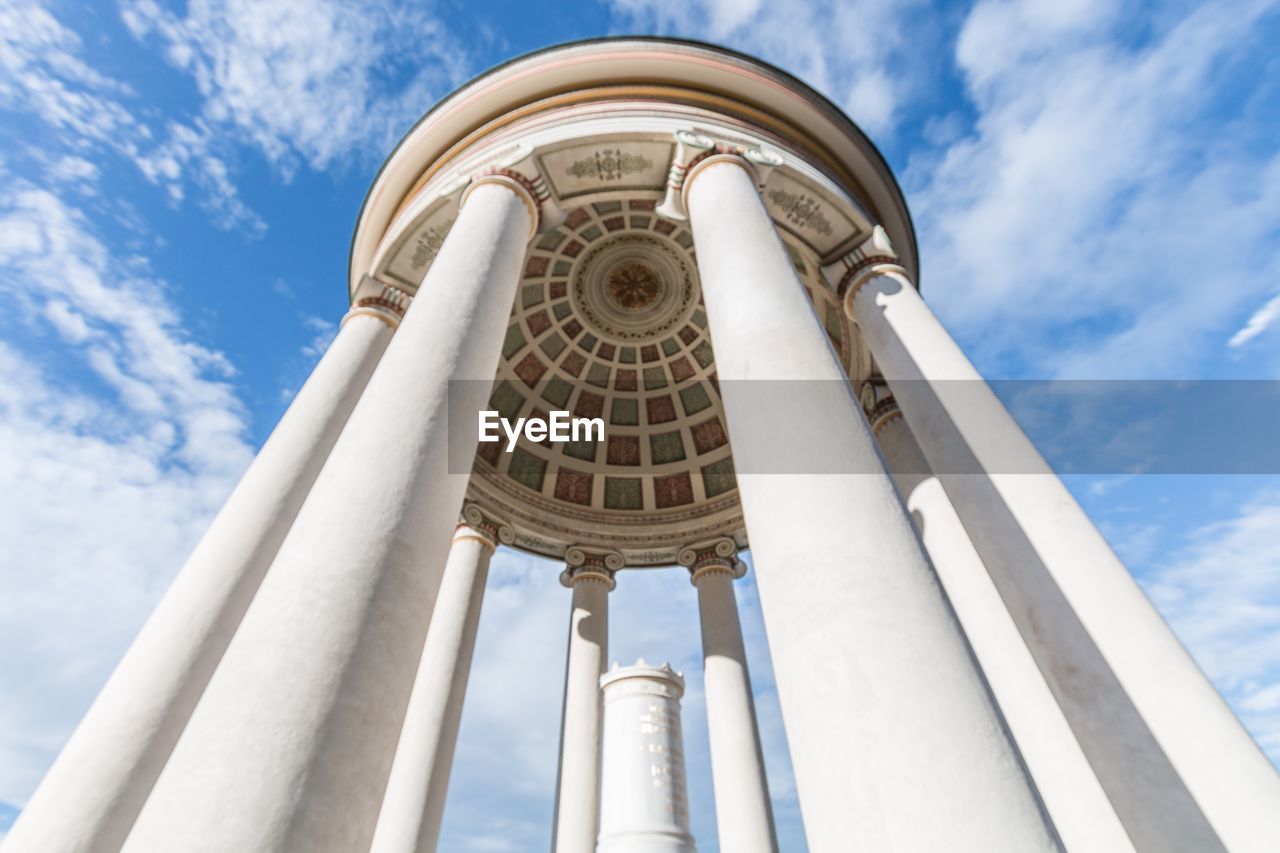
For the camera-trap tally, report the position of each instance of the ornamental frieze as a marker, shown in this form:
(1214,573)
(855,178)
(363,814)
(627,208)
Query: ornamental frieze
(801,211)
(428,244)
(609,164)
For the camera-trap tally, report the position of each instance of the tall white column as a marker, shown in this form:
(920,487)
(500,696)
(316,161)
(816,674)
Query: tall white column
(1180,770)
(90,797)
(590,576)
(413,806)
(644,802)
(292,743)
(1076,802)
(744,815)
(894,740)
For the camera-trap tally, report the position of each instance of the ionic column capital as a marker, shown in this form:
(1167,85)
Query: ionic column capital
(694,152)
(874,256)
(879,405)
(544,213)
(717,556)
(476,524)
(380,301)
(590,566)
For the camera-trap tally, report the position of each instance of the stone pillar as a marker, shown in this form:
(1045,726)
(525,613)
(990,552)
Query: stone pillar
(291,745)
(1179,768)
(414,803)
(893,736)
(590,576)
(91,796)
(744,815)
(1076,802)
(644,804)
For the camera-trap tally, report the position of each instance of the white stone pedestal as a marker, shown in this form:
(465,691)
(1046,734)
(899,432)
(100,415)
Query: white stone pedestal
(644,806)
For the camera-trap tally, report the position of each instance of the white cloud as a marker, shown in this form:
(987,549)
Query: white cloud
(44,74)
(1259,321)
(864,55)
(322,334)
(120,442)
(1099,153)
(1221,594)
(187,155)
(309,79)
(75,172)
(1111,210)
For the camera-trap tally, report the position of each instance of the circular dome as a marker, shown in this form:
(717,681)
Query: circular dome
(634,286)
(608,320)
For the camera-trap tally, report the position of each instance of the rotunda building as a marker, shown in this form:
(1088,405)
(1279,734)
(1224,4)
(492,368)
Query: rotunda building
(707,257)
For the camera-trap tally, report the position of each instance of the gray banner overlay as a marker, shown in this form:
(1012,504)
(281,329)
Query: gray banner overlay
(1094,427)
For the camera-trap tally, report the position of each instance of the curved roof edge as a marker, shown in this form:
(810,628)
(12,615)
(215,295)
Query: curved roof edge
(823,104)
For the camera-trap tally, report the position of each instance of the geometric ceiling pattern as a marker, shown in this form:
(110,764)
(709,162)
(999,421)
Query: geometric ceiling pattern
(609,323)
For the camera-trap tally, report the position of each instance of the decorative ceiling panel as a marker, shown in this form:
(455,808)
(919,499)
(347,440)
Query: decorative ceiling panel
(810,214)
(408,260)
(628,164)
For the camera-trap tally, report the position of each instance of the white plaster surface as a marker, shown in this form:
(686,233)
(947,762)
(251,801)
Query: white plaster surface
(413,805)
(1179,768)
(88,800)
(644,804)
(1076,802)
(744,815)
(292,743)
(578,783)
(893,737)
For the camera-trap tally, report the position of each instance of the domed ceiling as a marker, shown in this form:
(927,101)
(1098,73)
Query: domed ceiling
(609,323)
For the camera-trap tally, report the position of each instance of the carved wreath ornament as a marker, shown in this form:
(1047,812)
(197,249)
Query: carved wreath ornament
(428,244)
(609,164)
(801,211)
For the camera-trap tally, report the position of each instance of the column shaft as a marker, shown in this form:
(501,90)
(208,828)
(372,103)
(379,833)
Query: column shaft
(413,806)
(91,796)
(291,745)
(744,815)
(893,737)
(1076,802)
(1180,770)
(578,783)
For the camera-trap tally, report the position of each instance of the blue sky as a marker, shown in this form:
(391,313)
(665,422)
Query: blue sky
(1096,184)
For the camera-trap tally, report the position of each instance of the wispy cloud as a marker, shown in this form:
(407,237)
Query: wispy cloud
(46,76)
(47,79)
(1221,593)
(1259,321)
(306,80)
(120,442)
(74,172)
(187,156)
(1114,206)
(865,55)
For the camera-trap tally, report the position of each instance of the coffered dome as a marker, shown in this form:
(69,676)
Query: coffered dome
(608,320)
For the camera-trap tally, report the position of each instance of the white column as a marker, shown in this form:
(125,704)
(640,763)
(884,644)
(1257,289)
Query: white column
(744,815)
(894,740)
(94,791)
(590,576)
(291,745)
(413,806)
(644,802)
(1180,770)
(1076,802)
